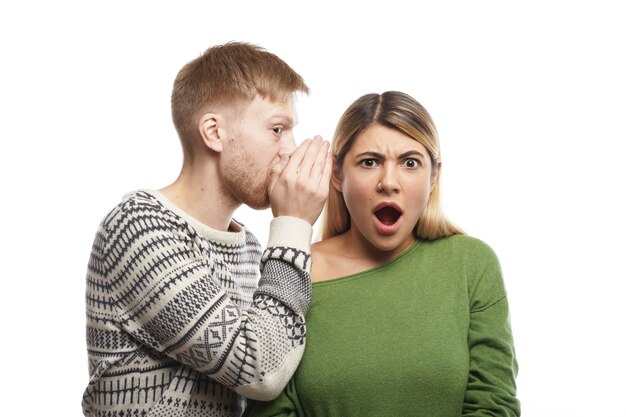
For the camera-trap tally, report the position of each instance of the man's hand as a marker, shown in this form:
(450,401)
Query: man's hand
(298,185)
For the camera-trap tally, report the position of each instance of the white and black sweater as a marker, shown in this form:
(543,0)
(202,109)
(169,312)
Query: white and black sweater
(176,325)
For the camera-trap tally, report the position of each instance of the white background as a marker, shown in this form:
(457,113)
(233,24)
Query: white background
(529,99)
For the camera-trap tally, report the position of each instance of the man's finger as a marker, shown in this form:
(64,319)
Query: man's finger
(309,157)
(320,161)
(278,166)
(327,171)
(296,158)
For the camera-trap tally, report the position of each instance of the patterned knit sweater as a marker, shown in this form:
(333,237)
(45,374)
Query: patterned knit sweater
(176,325)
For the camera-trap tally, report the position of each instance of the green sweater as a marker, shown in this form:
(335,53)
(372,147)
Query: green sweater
(427,334)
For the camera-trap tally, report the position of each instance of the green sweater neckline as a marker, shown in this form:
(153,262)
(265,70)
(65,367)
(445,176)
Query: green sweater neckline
(375,269)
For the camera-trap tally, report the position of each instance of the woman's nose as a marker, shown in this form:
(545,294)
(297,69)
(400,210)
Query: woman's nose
(388,182)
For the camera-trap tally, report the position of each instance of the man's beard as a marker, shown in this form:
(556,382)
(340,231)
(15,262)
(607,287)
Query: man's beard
(249,192)
(244,182)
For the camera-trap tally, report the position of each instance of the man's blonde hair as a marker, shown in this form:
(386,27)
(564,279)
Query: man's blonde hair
(403,113)
(227,75)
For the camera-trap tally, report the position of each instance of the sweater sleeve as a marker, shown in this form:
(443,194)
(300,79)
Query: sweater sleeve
(285,405)
(491,389)
(164,287)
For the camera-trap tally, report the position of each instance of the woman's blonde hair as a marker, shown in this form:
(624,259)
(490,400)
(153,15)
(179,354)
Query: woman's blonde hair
(402,112)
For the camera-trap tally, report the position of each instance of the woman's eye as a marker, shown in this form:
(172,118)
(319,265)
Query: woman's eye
(277,130)
(368,163)
(411,163)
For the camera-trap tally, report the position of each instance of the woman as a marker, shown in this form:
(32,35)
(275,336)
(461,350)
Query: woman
(409,316)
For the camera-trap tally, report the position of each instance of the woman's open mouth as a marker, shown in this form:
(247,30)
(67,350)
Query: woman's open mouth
(387,217)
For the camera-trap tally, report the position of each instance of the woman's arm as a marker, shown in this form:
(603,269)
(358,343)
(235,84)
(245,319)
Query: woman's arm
(491,389)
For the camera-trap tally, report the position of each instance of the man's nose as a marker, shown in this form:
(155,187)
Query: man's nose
(287,145)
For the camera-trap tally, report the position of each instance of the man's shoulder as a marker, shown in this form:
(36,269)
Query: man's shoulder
(139,198)
(135,205)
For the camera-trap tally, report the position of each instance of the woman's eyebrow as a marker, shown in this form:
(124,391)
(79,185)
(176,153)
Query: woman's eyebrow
(381,156)
(411,153)
(371,153)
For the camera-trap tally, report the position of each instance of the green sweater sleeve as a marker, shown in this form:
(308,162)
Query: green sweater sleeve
(491,389)
(285,405)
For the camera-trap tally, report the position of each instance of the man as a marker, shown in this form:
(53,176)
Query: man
(175,322)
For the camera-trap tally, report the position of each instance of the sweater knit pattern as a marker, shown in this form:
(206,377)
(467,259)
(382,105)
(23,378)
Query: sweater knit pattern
(174,325)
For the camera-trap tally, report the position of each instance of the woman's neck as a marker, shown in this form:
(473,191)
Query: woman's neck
(347,254)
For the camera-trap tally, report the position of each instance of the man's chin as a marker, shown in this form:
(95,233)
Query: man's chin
(256,204)
(259,206)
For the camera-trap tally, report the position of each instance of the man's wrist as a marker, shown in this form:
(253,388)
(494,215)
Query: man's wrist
(292,232)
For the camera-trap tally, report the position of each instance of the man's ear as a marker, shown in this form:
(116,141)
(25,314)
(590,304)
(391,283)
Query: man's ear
(211,131)
(336,177)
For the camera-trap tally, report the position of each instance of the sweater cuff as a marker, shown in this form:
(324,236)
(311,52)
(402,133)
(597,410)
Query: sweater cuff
(290,232)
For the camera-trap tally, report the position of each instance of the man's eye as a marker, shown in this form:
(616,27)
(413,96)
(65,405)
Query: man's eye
(277,130)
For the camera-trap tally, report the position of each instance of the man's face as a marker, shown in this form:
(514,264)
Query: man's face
(258,133)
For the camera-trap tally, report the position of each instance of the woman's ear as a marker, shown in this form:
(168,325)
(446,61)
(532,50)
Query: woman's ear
(336,178)
(434,174)
(211,131)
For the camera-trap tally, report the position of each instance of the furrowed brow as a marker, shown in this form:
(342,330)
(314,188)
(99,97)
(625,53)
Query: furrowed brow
(411,153)
(371,154)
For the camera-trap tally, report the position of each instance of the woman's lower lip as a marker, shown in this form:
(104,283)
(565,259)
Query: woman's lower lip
(386,229)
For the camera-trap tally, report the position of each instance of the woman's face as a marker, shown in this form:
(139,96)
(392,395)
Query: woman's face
(386,180)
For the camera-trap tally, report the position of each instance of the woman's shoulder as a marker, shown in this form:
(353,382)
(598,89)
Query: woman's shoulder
(324,247)
(467,247)
(323,255)
(473,259)
(462,242)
